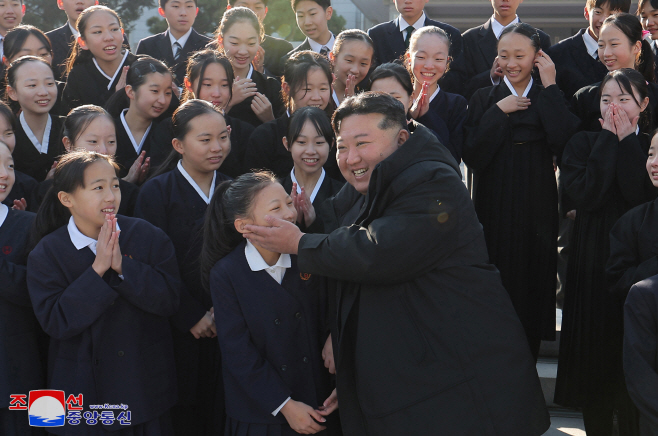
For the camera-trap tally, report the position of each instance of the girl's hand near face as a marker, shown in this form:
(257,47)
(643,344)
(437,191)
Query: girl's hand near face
(350,84)
(139,169)
(512,103)
(122,79)
(20,204)
(302,417)
(242,90)
(259,60)
(117,260)
(624,126)
(104,249)
(607,122)
(303,205)
(262,107)
(496,72)
(546,68)
(421,104)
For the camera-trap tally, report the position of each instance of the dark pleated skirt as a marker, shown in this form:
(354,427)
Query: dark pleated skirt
(590,359)
(515,198)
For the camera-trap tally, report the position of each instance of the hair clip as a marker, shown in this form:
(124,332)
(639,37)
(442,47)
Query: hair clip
(151,66)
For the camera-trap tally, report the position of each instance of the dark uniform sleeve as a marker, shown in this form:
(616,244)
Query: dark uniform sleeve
(487,130)
(558,122)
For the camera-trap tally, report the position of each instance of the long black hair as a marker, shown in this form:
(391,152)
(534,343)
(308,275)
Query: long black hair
(16,37)
(295,74)
(196,70)
(80,118)
(316,116)
(180,122)
(69,176)
(232,199)
(630,80)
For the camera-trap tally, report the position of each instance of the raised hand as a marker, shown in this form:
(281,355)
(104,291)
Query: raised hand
(302,417)
(51,173)
(624,126)
(122,79)
(117,260)
(422,103)
(546,68)
(607,122)
(350,84)
(496,72)
(104,249)
(303,205)
(20,204)
(512,103)
(262,107)
(259,60)
(242,90)
(139,169)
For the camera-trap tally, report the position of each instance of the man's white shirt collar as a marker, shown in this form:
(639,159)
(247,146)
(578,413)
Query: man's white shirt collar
(590,44)
(417,25)
(74,31)
(498,28)
(317,47)
(182,40)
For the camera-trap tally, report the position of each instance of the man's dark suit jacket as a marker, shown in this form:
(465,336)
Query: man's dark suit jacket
(62,41)
(275,50)
(480,50)
(303,46)
(389,46)
(575,67)
(159,47)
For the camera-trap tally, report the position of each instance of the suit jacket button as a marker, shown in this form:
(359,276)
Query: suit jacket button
(277,322)
(120,353)
(298,315)
(283,367)
(305,359)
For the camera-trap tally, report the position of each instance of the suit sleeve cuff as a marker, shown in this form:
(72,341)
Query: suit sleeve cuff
(276,412)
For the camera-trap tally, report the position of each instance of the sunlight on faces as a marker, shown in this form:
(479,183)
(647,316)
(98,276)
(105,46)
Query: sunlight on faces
(652,161)
(7,176)
(103,36)
(272,200)
(649,19)
(312,19)
(516,57)
(597,16)
(429,59)
(73,8)
(257,6)
(35,88)
(215,87)
(99,136)
(33,47)
(616,50)
(310,150)
(361,145)
(389,85)
(11,14)
(315,92)
(505,10)
(411,10)
(613,93)
(355,58)
(206,144)
(7,133)
(180,15)
(152,98)
(241,42)
(100,196)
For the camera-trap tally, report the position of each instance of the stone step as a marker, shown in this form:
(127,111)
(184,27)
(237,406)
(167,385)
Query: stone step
(547,371)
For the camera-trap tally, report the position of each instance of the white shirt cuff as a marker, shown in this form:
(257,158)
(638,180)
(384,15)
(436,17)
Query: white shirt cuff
(280,407)
(495,82)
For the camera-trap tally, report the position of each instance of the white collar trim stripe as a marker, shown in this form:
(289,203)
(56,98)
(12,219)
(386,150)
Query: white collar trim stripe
(317,185)
(116,73)
(194,184)
(513,91)
(42,147)
(136,146)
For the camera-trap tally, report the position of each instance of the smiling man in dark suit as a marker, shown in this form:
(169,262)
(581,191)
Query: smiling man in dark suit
(391,40)
(313,20)
(481,42)
(576,59)
(179,41)
(63,37)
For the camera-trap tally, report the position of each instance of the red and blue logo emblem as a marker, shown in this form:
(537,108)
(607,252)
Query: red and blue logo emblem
(46,408)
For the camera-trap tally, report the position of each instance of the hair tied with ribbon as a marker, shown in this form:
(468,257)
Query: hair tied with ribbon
(646,35)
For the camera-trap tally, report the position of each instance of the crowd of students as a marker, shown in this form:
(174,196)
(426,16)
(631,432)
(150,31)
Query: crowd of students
(129,180)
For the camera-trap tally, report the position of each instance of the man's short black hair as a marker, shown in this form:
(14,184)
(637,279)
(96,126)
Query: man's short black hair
(323,3)
(163,3)
(613,5)
(232,2)
(372,103)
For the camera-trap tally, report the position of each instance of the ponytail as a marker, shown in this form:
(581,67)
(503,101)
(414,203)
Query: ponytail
(630,26)
(232,199)
(645,62)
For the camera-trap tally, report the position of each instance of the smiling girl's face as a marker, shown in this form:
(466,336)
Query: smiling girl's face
(241,43)
(616,50)
(429,59)
(103,36)
(516,57)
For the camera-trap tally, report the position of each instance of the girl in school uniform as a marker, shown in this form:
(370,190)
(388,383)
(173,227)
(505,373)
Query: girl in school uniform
(269,315)
(514,129)
(255,98)
(22,359)
(31,83)
(26,40)
(604,174)
(102,287)
(91,128)
(309,141)
(306,82)
(395,80)
(148,90)
(176,202)
(24,195)
(351,58)
(209,77)
(98,64)
(442,112)
(621,45)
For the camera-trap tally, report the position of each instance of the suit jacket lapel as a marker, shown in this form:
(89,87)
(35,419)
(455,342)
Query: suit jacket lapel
(396,40)
(488,42)
(164,46)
